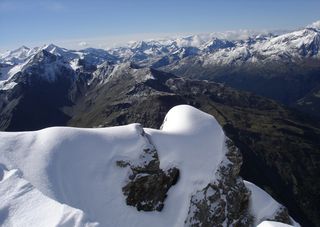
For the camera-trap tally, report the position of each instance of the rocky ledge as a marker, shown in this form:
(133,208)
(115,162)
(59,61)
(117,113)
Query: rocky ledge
(226,201)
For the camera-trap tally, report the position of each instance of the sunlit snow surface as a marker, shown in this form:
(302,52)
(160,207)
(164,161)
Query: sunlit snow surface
(64,176)
(262,205)
(272,224)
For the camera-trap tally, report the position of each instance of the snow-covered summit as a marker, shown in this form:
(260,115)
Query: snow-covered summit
(315,25)
(228,48)
(99,175)
(18,55)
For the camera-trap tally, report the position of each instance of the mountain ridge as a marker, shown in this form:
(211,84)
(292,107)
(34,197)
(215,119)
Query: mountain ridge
(94,88)
(90,169)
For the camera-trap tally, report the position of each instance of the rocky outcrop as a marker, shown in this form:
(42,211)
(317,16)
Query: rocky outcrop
(281,215)
(148,185)
(225,201)
(147,191)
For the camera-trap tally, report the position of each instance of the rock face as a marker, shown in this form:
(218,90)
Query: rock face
(224,202)
(125,176)
(147,191)
(148,185)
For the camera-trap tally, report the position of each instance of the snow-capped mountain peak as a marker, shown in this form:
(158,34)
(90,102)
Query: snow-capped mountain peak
(206,49)
(315,25)
(53,49)
(17,56)
(183,175)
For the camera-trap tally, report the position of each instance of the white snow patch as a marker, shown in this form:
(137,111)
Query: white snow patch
(78,167)
(74,64)
(273,224)
(7,85)
(24,205)
(261,204)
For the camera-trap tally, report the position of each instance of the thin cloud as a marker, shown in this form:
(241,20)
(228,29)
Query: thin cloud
(83,44)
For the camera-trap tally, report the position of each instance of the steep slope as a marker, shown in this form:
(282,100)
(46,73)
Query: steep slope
(88,88)
(269,135)
(311,102)
(37,92)
(99,170)
(17,56)
(284,68)
(277,143)
(24,205)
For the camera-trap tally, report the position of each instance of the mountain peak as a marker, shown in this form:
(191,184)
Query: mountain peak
(43,55)
(137,164)
(23,47)
(141,45)
(315,25)
(53,49)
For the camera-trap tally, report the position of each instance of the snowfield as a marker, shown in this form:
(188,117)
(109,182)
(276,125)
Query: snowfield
(64,176)
(272,224)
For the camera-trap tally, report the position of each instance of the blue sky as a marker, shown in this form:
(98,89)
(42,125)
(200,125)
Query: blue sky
(69,22)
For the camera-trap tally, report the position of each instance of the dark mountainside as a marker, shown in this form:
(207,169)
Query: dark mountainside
(280,146)
(53,86)
(289,83)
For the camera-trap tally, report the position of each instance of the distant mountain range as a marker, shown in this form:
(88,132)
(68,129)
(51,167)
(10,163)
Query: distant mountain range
(53,86)
(283,67)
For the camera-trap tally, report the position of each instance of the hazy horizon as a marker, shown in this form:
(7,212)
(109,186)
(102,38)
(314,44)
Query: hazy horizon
(102,24)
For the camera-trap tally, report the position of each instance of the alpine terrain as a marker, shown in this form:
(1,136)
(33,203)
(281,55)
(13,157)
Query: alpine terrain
(228,105)
(186,174)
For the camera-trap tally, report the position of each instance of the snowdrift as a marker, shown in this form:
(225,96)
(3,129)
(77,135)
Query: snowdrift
(64,176)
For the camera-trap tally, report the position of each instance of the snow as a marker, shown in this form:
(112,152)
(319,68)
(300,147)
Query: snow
(7,85)
(262,205)
(74,64)
(14,70)
(65,176)
(18,56)
(77,167)
(149,76)
(237,47)
(273,224)
(193,142)
(315,25)
(23,205)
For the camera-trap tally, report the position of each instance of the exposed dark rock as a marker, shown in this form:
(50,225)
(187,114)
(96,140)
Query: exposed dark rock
(281,215)
(280,147)
(224,202)
(147,191)
(147,185)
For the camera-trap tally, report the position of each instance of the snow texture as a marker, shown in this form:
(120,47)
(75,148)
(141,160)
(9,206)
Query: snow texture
(64,176)
(227,48)
(272,224)
(23,205)
(262,205)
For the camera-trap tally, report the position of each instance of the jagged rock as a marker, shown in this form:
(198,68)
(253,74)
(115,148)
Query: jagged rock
(281,215)
(148,184)
(225,201)
(147,192)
